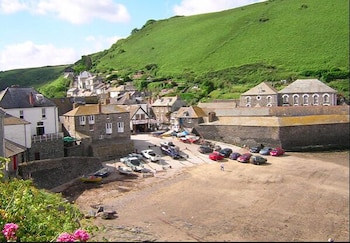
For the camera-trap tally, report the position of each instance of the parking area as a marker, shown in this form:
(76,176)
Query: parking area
(189,152)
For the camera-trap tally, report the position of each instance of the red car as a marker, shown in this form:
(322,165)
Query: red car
(216,156)
(244,158)
(277,151)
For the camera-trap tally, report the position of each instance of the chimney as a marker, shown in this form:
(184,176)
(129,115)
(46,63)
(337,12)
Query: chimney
(99,108)
(31,98)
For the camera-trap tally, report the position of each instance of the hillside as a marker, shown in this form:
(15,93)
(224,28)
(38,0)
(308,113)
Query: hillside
(293,35)
(226,53)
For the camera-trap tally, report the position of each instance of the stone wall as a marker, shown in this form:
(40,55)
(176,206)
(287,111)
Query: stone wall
(107,150)
(47,149)
(291,138)
(51,173)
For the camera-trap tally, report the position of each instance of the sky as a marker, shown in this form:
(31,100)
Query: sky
(37,33)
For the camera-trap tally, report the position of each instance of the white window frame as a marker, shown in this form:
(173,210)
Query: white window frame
(43,113)
(82,120)
(21,114)
(109,127)
(305,99)
(120,127)
(285,99)
(326,99)
(296,100)
(91,119)
(315,99)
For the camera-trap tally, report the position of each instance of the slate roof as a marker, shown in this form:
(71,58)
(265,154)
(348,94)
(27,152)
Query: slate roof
(93,109)
(12,120)
(307,86)
(165,101)
(12,148)
(18,97)
(263,88)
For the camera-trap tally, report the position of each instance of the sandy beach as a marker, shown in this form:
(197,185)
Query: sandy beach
(296,197)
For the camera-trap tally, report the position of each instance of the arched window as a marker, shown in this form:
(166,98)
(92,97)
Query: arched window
(326,100)
(296,99)
(315,100)
(248,99)
(285,99)
(305,99)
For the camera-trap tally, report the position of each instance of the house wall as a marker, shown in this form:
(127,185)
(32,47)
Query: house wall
(2,144)
(72,124)
(34,115)
(20,134)
(51,173)
(260,100)
(300,100)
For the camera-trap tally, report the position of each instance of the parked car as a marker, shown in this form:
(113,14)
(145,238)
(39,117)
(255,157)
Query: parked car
(205,149)
(151,155)
(226,152)
(216,156)
(244,158)
(139,156)
(257,160)
(265,151)
(256,149)
(277,151)
(234,155)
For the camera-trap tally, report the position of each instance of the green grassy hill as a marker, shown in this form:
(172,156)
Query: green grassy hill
(228,52)
(294,35)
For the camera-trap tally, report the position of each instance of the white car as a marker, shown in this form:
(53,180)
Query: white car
(150,154)
(126,158)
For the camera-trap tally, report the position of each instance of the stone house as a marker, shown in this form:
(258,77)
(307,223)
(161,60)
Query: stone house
(101,130)
(191,116)
(262,95)
(163,106)
(307,92)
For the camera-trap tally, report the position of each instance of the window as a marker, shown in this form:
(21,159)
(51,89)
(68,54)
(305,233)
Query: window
(315,99)
(326,99)
(82,120)
(305,99)
(247,100)
(295,99)
(21,114)
(43,113)
(109,128)
(120,126)
(108,116)
(285,99)
(91,119)
(258,97)
(269,99)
